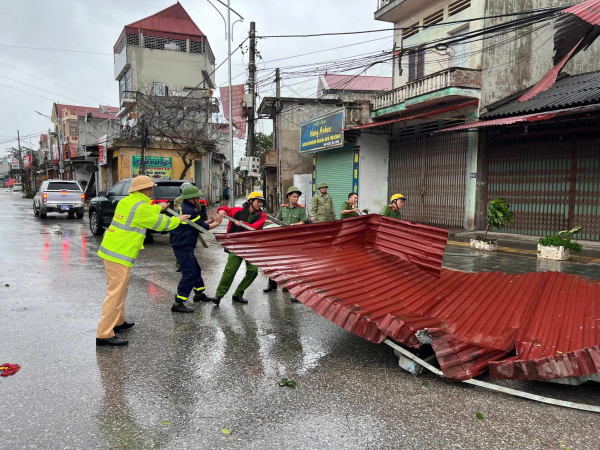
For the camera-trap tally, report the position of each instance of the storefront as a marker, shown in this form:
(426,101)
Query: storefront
(552,182)
(431,172)
(339,168)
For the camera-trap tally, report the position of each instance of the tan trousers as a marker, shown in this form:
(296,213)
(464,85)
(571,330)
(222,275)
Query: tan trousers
(113,310)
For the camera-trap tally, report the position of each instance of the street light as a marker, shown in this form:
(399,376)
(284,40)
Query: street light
(229,37)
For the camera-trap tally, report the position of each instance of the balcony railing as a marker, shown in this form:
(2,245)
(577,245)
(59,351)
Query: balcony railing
(382,3)
(453,77)
(268,159)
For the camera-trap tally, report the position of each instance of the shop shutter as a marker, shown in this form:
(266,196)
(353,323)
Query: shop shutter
(335,167)
(431,173)
(551,182)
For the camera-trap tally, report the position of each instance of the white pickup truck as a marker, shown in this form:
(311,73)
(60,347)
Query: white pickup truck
(59,196)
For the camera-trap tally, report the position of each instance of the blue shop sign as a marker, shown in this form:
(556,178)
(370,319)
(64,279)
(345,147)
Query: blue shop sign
(323,133)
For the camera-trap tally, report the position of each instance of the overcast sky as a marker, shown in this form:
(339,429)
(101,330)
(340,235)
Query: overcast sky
(32,79)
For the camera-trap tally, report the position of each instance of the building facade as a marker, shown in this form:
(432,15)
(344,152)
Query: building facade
(160,63)
(436,87)
(340,167)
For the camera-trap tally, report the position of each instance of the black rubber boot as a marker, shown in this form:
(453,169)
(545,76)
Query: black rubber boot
(215,300)
(239,299)
(294,300)
(201,297)
(270,288)
(124,326)
(112,342)
(181,308)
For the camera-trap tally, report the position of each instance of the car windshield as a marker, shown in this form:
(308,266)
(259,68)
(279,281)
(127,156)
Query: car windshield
(167,190)
(63,186)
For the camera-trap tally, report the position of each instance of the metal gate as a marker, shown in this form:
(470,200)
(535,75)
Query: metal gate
(552,183)
(430,171)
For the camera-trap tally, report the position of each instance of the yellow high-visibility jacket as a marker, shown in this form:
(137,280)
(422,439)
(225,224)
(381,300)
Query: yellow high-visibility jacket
(124,238)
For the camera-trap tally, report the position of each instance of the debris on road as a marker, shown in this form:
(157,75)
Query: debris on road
(8,369)
(388,283)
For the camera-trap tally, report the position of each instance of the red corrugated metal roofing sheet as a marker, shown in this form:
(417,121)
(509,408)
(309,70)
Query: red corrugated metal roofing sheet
(418,116)
(525,118)
(378,277)
(549,79)
(358,83)
(82,110)
(588,11)
(173,19)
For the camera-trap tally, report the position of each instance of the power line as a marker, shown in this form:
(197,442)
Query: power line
(54,49)
(56,84)
(547,11)
(41,89)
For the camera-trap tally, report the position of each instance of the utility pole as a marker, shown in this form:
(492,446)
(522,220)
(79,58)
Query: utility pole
(20,157)
(144,142)
(276,137)
(60,150)
(231,163)
(251,89)
(47,158)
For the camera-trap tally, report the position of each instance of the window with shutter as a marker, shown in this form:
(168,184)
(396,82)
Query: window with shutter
(412,66)
(421,64)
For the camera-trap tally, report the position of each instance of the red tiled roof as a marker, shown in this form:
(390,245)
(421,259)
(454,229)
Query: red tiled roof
(81,111)
(173,19)
(378,277)
(354,83)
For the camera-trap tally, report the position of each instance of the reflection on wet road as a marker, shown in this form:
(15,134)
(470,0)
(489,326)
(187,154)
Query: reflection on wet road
(185,377)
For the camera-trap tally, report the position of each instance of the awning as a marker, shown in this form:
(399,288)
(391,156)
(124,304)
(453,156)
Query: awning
(537,117)
(418,116)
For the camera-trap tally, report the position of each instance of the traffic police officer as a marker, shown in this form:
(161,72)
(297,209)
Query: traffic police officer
(292,213)
(120,246)
(393,210)
(321,209)
(183,241)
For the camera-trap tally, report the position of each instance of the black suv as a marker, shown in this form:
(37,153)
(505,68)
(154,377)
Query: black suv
(102,208)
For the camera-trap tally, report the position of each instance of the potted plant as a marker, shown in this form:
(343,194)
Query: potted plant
(498,215)
(559,247)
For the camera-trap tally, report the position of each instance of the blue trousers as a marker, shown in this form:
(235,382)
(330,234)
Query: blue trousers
(191,274)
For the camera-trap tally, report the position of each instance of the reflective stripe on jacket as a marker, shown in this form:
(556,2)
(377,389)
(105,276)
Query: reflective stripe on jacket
(186,235)
(124,238)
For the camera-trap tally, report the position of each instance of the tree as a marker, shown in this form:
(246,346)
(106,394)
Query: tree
(182,120)
(262,143)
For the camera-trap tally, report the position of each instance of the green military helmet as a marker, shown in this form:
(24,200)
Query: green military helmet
(293,189)
(322,185)
(191,192)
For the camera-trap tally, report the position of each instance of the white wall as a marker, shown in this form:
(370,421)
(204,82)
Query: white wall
(436,61)
(373,172)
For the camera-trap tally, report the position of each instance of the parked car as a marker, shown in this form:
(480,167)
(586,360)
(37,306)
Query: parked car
(102,208)
(61,196)
(17,187)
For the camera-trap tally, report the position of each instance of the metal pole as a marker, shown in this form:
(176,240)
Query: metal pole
(47,159)
(251,85)
(276,138)
(231,163)
(20,159)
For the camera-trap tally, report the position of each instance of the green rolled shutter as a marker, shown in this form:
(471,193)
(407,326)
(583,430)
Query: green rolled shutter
(336,168)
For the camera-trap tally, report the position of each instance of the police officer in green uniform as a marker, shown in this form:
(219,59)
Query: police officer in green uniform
(393,210)
(321,209)
(350,208)
(291,213)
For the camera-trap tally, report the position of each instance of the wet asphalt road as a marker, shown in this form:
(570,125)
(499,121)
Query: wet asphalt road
(184,378)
